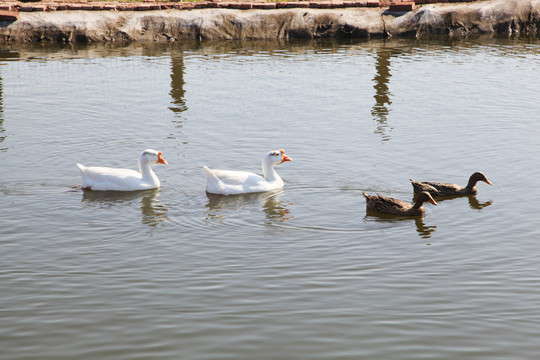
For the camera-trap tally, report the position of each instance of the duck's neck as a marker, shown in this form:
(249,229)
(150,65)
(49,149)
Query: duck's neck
(418,205)
(471,186)
(269,172)
(147,174)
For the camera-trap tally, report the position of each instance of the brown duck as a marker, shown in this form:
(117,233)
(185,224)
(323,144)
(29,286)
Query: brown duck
(391,206)
(446,189)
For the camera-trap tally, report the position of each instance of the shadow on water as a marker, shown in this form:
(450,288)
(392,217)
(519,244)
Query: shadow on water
(153,212)
(274,208)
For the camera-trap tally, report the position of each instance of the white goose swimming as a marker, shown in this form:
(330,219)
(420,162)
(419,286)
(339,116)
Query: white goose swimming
(104,178)
(229,182)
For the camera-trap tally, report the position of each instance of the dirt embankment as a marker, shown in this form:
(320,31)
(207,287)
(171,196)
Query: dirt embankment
(455,19)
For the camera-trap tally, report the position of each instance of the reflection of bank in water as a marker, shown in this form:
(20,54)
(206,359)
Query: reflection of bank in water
(153,213)
(274,208)
(381,80)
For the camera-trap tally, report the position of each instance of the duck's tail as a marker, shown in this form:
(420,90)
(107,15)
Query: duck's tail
(417,186)
(210,176)
(86,180)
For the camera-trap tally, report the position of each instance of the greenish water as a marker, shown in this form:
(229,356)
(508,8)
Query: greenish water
(303,273)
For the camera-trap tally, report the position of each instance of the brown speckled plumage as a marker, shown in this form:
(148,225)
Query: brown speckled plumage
(446,189)
(391,206)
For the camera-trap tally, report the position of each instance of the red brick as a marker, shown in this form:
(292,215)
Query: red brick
(354,3)
(142,7)
(33,7)
(404,6)
(241,6)
(326,5)
(291,5)
(264,5)
(320,4)
(8,15)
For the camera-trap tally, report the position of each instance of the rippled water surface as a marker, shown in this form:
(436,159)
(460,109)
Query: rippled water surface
(302,273)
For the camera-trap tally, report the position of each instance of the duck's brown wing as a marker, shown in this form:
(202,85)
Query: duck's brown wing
(391,205)
(444,188)
(392,201)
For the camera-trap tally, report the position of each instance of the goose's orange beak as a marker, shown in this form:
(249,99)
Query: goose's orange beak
(161,160)
(488,182)
(431,200)
(284,157)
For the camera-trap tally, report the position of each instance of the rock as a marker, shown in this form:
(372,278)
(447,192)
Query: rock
(450,19)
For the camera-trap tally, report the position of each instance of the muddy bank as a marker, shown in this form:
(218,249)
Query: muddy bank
(460,19)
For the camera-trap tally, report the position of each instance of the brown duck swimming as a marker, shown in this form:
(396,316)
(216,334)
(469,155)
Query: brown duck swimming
(391,206)
(446,189)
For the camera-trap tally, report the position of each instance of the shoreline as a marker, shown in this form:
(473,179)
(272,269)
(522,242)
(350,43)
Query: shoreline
(511,17)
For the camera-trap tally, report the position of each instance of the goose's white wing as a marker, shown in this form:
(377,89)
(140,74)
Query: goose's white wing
(104,178)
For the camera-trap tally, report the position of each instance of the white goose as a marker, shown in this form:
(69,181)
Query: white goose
(104,178)
(229,182)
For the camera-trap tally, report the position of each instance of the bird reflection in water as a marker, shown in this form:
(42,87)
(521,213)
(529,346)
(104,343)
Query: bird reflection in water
(477,205)
(274,208)
(473,201)
(153,213)
(423,230)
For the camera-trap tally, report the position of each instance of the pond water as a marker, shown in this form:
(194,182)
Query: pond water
(302,273)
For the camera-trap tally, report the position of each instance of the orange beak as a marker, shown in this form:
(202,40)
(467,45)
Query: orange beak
(161,160)
(284,157)
(488,182)
(432,201)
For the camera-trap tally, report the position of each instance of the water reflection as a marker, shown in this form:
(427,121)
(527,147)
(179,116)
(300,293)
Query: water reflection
(473,201)
(274,208)
(2,129)
(380,109)
(177,92)
(3,55)
(423,230)
(477,205)
(153,212)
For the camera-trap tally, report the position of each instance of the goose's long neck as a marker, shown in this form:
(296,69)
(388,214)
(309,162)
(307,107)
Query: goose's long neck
(147,173)
(269,172)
